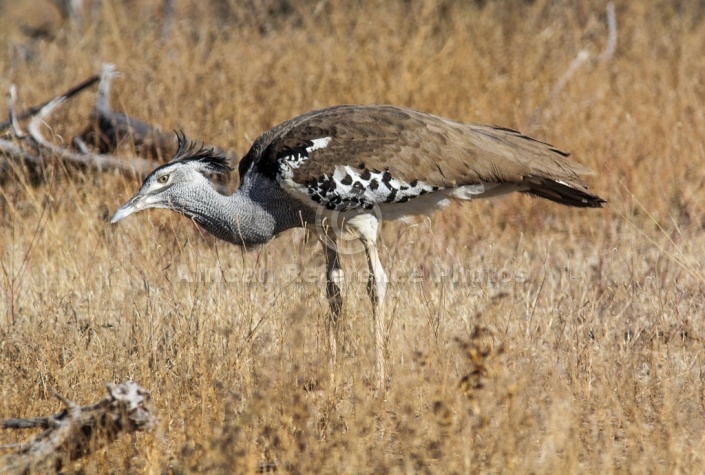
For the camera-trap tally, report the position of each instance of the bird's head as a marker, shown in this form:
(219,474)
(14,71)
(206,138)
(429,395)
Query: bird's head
(172,184)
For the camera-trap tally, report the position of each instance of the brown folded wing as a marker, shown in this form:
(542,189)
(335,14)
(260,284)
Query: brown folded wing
(411,145)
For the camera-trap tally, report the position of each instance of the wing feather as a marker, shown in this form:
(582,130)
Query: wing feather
(410,146)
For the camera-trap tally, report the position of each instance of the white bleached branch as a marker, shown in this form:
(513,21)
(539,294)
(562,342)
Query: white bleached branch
(99,161)
(79,430)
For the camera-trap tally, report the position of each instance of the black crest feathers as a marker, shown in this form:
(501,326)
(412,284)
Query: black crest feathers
(210,159)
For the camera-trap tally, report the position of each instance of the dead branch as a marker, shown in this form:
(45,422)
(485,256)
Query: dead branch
(13,151)
(33,423)
(107,73)
(108,129)
(97,146)
(611,46)
(26,114)
(98,161)
(15,160)
(77,431)
(584,56)
(11,102)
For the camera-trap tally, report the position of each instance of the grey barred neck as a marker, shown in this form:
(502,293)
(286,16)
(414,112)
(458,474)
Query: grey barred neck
(250,217)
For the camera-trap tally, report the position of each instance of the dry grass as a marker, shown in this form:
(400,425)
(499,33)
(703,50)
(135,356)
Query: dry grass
(573,344)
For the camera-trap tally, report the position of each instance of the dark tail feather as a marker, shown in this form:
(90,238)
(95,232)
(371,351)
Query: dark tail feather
(562,193)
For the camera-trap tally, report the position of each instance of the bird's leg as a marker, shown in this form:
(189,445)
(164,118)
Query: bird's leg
(334,281)
(376,288)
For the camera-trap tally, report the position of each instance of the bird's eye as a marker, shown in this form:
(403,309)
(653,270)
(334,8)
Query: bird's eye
(163,179)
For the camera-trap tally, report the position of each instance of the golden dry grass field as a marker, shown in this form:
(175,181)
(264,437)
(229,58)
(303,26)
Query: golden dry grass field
(524,337)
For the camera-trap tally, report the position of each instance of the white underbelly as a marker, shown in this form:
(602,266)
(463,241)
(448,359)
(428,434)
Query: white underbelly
(427,204)
(422,205)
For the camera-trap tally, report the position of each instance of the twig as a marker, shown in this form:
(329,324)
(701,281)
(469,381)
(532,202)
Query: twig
(68,94)
(584,55)
(13,151)
(582,58)
(81,145)
(11,102)
(33,423)
(107,73)
(69,404)
(611,46)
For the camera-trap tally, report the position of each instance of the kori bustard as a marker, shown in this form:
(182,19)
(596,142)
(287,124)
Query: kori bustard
(347,167)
